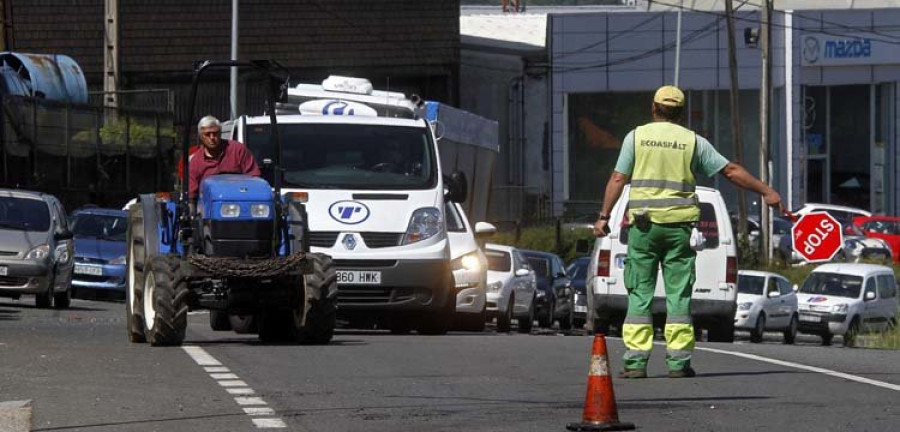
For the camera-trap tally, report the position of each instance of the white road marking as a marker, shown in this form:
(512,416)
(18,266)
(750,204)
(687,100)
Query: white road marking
(200,312)
(235,386)
(254,411)
(269,423)
(200,356)
(222,376)
(824,371)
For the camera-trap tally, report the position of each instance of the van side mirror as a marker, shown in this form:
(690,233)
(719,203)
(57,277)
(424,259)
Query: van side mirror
(522,272)
(484,229)
(582,246)
(870,296)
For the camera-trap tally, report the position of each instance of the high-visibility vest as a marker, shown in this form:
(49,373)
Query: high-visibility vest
(662,184)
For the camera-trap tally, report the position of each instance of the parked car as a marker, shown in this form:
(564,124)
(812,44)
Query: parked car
(512,288)
(469,267)
(886,228)
(555,296)
(766,302)
(577,271)
(856,248)
(847,299)
(713,299)
(35,248)
(843,214)
(99,251)
(781,226)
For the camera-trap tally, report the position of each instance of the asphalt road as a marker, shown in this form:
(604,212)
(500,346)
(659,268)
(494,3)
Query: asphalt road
(82,375)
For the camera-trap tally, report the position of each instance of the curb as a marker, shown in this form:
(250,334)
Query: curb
(15,416)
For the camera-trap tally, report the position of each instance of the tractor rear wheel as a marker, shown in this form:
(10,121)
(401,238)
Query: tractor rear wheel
(134,262)
(320,291)
(165,301)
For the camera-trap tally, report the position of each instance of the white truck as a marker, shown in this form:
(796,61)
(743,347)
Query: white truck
(370,167)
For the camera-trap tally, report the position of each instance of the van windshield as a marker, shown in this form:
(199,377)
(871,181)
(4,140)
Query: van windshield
(832,284)
(24,214)
(349,156)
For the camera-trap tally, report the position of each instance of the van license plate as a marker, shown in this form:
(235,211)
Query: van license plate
(358,277)
(810,318)
(88,270)
(3,270)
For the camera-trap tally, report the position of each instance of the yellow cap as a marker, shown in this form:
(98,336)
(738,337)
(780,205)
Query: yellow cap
(669,96)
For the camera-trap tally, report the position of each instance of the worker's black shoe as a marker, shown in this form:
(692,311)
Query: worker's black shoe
(633,373)
(682,373)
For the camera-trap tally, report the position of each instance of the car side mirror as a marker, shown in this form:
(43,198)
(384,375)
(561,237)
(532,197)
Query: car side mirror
(484,229)
(523,272)
(63,235)
(870,296)
(773,294)
(795,288)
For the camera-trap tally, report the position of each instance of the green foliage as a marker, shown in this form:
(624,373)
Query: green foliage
(139,135)
(543,238)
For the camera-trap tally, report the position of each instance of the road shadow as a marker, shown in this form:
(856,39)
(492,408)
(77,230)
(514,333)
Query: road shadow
(32,306)
(7,314)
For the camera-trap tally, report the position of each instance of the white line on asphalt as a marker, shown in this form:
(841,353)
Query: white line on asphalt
(234,386)
(269,423)
(200,312)
(829,372)
(200,356)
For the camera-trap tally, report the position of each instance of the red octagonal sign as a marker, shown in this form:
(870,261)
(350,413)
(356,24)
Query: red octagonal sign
(817,237)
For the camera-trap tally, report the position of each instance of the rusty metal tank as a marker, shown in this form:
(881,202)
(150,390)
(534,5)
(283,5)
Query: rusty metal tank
(44,76)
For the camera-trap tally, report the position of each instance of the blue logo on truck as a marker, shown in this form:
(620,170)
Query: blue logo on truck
(349,212)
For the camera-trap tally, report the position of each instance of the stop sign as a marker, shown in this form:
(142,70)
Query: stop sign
(817,236)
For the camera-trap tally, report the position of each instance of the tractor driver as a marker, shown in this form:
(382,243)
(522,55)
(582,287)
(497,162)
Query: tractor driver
(217,156)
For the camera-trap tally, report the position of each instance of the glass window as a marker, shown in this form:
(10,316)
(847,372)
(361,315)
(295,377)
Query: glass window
(342,156)
(104,227)
(771,286)
(541,266)
(887,287)
(578,268)
(849,146)
(784,286)
(454,220)
(497,260)
(521,262)
(24,214)
(750,284)
(870,286)
(832,284)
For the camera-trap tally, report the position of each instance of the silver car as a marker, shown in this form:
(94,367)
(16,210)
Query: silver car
(511,288)
(36,248)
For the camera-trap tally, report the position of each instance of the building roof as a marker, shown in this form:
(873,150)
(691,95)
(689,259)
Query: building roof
(519,32)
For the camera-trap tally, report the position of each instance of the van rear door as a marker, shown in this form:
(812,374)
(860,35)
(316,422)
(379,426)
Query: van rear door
(712,260)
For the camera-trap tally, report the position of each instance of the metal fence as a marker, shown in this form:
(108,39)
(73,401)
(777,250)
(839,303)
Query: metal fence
(85,154)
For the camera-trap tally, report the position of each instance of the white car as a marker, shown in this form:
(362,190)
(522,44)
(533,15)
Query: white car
(843,214)
(469,267)
(766,302)
(846,299)
(512,286)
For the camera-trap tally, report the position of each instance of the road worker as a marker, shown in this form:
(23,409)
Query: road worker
(660,159)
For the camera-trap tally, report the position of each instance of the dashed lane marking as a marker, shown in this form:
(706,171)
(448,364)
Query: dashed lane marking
(252,405)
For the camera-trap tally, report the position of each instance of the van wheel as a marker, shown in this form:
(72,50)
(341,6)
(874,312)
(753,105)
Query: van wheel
(790,334)
(852,333)
(756,335)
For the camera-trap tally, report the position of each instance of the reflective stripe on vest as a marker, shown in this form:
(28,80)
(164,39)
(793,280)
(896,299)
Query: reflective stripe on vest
(662,183)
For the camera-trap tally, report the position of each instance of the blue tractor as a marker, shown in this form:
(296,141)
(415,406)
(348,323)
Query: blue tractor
(240,251)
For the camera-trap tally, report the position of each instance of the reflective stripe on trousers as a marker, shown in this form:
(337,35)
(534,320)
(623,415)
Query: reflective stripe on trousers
(638,339)
(679,342)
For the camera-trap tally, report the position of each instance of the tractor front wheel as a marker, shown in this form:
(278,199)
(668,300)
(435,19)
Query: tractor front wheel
(165,302)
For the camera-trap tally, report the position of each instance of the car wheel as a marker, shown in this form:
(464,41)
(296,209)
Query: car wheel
(852,333)
(44,300)
(62,300)
(527,322)
(546,319)
(504,320)
(790,334)
(566,322)
(756,335)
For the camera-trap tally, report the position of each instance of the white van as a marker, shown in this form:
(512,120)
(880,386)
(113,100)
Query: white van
(376,198)
(847,299)
(713,301)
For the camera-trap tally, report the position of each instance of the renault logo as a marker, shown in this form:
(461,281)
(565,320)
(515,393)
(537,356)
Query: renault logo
(349,241)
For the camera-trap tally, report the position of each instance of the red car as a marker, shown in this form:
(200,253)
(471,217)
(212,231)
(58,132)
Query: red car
(886,228)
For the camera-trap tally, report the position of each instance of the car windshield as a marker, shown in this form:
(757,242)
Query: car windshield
(104,227)
(832,284)
(541,266)
(498,260)
(578,268)
(349,156)
(24,214)
(751,284)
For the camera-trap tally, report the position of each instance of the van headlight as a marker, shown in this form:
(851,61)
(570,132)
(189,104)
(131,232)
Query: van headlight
(230,210)
(745,306)
(841,308)
(424,224)
(259,210)
(38,252)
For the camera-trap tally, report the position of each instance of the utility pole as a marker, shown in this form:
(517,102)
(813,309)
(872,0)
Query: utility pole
(234,56)
(678,42)
(736,116)
(111,53)
(764,93)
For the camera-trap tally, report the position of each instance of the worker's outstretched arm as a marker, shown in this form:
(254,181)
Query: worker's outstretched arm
(744,180)
(614,188)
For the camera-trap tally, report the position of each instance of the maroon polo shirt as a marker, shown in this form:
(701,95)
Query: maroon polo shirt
(235,158)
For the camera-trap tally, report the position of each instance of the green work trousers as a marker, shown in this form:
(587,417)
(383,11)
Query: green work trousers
(649,247)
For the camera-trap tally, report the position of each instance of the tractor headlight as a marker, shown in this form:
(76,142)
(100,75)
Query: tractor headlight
(259,210)
(38,253)
(424,223)
(230,210)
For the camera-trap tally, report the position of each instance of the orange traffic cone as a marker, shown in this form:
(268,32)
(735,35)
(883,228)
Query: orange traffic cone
(600,412)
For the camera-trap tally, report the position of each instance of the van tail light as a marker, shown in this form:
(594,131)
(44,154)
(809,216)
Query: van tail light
(603,263)
(731,270)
